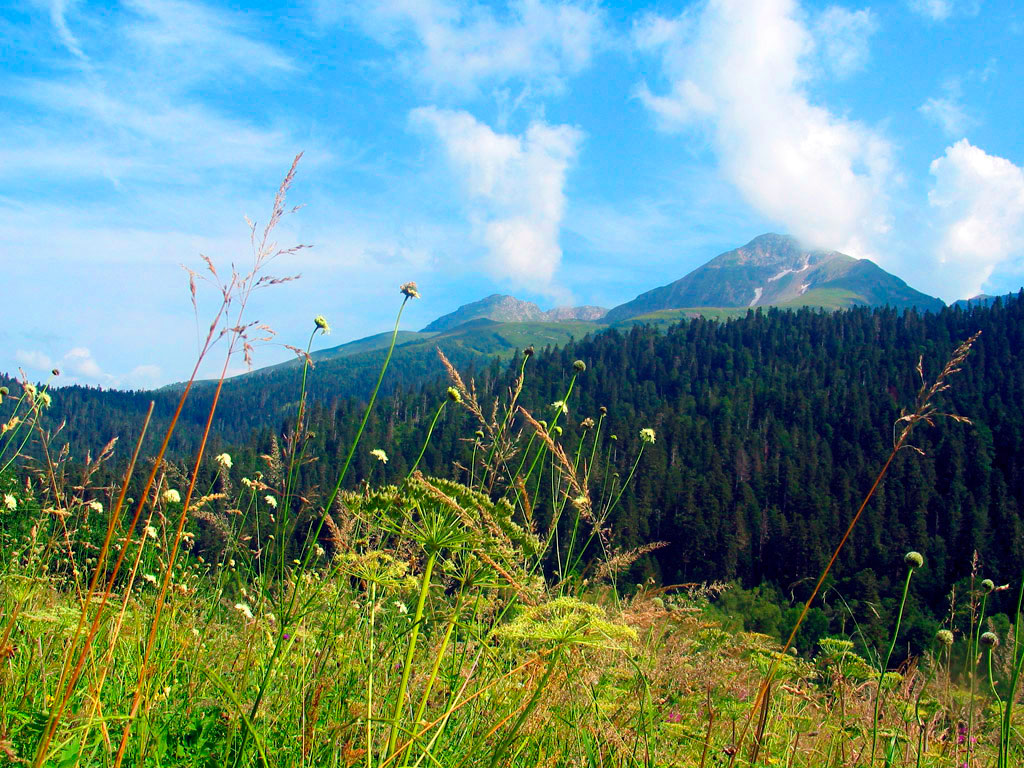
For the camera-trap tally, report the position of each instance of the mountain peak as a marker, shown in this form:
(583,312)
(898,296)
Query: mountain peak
(502,308)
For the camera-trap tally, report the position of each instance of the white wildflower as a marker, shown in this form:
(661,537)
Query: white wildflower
(10,503)
(223,460)
(647,435)
(271,501)
(150,531)
(244,609)
(560,405)
(95,506)
(150,578)
(379,455)
(402,607)
(171,496)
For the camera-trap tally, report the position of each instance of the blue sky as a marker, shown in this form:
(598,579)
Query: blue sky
(564,152)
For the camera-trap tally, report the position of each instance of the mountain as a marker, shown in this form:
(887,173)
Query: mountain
(777,270)
(508,309)
(983,300)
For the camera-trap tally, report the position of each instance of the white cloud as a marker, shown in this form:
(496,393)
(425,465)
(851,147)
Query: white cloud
(34,359)
(739,71)
(465,45)
(515,189)
(979,199)
(58,16)
(948,114)
(843,36)
(936,10)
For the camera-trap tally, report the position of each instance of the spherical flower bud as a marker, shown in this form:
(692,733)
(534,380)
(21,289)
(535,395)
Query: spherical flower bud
(479,434)
(528,352)
(579,366)
(913,559)
(454,395)
(410,290)
(647,435)
(604,410)
(945,637)
(556,430)
(987,586)
(989,640)
(321,322)
(55,371)
(171,496)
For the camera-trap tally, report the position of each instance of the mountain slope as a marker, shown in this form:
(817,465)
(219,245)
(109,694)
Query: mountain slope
(777,269)
(508,309)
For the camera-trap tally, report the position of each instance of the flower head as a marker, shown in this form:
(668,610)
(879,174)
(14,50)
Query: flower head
(150,578)
(560,405)
(95,506)
(271,501)
(150,531)
(45,400)
(989,640)
(528,352)
(4,392)
(913,559)
(587,423)
(454,395)
(321,322)
(10,503)
(244,609)
(579,366)
(223,460)
(171,496)
(410,290)
(945,637)
(379,455)
(988,585)
(647,435)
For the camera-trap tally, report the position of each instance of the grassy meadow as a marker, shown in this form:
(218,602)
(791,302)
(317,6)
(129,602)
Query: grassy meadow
(434,622)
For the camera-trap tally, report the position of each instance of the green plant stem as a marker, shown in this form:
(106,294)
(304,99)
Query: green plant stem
(369,682)
(885,665)
(426,442)
(409,653)
(542,684)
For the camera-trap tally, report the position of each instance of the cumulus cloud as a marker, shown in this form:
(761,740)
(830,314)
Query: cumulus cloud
(33,359)
(464,45)
(738,72)
(979,199)
(514,187)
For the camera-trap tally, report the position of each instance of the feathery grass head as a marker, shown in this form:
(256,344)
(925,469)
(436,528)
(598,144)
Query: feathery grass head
(410,290)
(321,322)
(945,637)
(579,366)
(913,559)
(989,640)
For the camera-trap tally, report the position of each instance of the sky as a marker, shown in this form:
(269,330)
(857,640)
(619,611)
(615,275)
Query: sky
(564,152)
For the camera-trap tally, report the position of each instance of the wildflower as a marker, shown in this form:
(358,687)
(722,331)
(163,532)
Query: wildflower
(479,434)
(945,637)
(913,559)
(379,455)
(560,405)
(528,352)
(244,609)
(150,531)
(95,506)
(171,496)
(45,400)
(223,460)
(4,392)
(454,395)
(321,322)
(29,391)
(579,366)
(150,578)
(15,421)
(988,585)
(270,500)
(587,423)
(10,503)
(647,435)
(989,640)
(556,430)
(604,410)
(581,502)
(248,483)
(410,290)
(402,607)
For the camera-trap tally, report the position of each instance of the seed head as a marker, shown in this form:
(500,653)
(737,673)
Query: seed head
(10,502)
(454,395)
(913,559)
(647,435)
(321,322)
(945,637)
(96,506)
(987,586)
(989,640)
(587,423)
(45,400)
(410,290)
(560,405)
(271,501)
(579,366)
(603,410)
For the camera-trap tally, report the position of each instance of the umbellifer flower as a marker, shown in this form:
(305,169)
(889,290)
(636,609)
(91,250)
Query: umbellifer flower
(95,506)
(945,637)
(379,455)
(913,559)
(224,460)
(270,500)
(560,405)
(410,290)
(647,435)
(321,322)
(171,496)
(10,503)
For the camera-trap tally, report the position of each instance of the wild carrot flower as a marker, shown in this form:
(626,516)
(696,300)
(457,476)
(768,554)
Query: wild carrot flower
(410,290)
(10,503)
(647,435)
(223,460)
(379,455)
(271,501)
(321,322)
(95,506)
(171,496)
